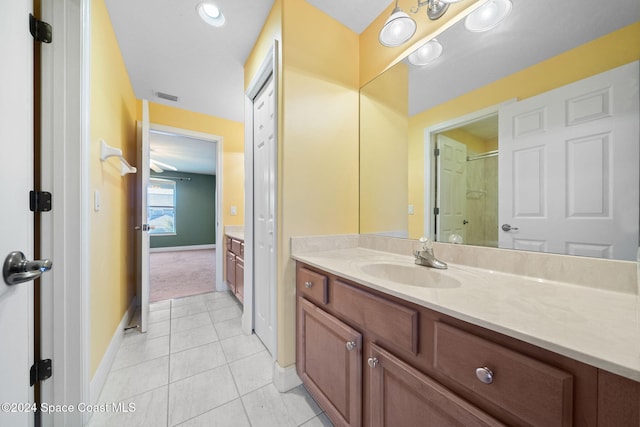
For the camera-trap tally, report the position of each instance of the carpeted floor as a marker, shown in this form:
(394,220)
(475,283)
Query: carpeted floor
(181,273)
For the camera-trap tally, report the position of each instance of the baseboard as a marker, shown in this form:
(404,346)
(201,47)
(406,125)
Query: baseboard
(284,379)
(183,248)
(100,377)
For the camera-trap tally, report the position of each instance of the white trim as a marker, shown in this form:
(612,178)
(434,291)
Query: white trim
(430,134)
(183,248)
(219,141)
(100,376)
(65,313)
(284,379)
(268,68)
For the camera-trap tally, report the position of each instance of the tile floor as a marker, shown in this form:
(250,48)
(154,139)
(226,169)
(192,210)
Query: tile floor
(195,367)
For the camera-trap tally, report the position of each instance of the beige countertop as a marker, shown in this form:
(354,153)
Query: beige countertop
(595,326)
(235,232)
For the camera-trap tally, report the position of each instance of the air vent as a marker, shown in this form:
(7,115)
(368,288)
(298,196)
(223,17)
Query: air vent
(167,96)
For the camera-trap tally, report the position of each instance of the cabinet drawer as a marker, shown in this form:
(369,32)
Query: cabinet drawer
(536,393)
(403,396)
(392,322)
(236,246)
(312,285)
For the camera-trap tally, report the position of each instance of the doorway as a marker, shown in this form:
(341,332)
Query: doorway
(183,204)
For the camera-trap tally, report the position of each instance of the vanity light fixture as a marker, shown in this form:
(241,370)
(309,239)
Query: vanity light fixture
(211,14)
(488,15)
(435,8)
(397,29)
(425,54)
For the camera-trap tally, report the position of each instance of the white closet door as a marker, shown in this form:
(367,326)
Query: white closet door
(568,162)
(264,150)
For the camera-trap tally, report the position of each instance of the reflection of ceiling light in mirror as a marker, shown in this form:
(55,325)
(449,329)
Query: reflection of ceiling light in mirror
(426,53)
(162,165)
(211,14)
(488,15)
(398,29)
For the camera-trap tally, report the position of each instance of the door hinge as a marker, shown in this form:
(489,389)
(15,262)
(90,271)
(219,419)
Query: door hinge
(436,152)
(436,211)
(40,30)
(40,371)
(39,201)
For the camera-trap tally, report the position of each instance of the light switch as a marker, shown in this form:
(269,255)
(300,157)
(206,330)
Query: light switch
(96,201)
(410,209)
(234,210)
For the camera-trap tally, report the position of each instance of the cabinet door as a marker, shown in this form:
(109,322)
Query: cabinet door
(329,362)
(231,271)
(240,279)
(402,396)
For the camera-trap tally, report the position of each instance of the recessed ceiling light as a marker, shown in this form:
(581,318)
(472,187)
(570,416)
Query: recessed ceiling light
(211,14)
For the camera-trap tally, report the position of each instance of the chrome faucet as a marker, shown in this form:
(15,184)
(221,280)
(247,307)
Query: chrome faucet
(424,255)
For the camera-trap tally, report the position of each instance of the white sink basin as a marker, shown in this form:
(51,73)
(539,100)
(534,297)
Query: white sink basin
(412,275)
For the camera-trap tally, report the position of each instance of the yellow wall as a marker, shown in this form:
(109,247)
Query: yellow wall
(375,58)
(602,54)
(233,150)
(113,109)
(383,153)
(319,151)
(318,137)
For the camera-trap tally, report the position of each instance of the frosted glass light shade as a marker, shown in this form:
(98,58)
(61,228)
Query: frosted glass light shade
(488,15)
(397,30)
(428,52)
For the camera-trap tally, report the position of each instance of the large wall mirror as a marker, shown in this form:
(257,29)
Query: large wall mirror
(523,137)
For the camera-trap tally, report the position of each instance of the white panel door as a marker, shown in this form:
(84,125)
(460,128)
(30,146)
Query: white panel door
(264,176)
(451,189)
(142,220)
(16,175)
(568,168)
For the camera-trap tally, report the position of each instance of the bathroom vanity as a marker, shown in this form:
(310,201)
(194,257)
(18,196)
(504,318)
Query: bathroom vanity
(382,342)
(235,263)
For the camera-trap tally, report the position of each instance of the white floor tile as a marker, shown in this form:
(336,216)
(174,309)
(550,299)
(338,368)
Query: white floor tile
(159,315)
(222,302)
(190,322)
(229,328)
(215,295)
(265,408)
(241,346)
(198,394)
(160,305)
(136,379)
(231,414)
(193,338)
(318,421)
(188,309)
(156,330)
(195,360)
(134,354)
(252,372)
(176,302)
(300,405)
(144,410)
(225,313)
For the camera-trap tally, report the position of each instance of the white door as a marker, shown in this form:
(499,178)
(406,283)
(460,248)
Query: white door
(568,168)
(451,188)
(264,214)
(16,175)
(142,226)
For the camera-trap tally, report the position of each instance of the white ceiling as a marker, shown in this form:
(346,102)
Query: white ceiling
(167,48)
(185,153)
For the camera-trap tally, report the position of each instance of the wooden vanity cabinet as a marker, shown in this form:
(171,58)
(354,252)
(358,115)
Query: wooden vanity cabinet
(329,355)
(421,367)
(235,266)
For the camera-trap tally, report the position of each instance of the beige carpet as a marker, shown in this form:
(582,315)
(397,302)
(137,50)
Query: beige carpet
(181,273)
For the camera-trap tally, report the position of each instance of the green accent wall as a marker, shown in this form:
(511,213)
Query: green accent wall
(195,211)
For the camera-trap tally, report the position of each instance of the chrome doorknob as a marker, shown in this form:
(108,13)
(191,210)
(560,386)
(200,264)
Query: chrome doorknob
(508,227)
(17,269)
